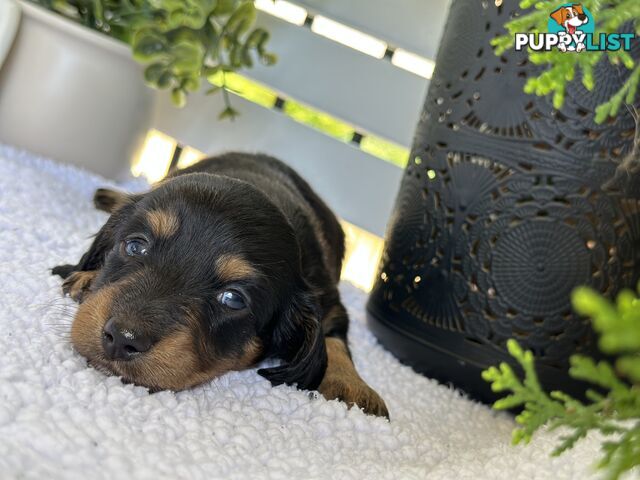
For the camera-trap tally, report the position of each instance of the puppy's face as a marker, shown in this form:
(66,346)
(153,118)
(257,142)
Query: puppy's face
(198,277)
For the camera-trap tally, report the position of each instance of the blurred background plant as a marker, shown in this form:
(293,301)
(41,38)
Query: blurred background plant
(613,410)
(180,42)
(612,16)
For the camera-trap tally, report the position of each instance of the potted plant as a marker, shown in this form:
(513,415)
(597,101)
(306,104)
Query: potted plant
(73,84)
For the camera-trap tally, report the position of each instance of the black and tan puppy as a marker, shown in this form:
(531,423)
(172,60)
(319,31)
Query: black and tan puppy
(224,264)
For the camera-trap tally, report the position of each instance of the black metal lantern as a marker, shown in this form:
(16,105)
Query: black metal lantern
(502,213)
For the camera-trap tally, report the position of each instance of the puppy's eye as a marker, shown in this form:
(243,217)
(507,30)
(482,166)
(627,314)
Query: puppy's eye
(136,247)
(232,299)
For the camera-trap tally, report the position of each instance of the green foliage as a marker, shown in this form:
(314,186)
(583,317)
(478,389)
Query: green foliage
(181,42)
(610,16)
(615,413)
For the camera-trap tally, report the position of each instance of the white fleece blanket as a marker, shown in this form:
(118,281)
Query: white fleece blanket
(62,419)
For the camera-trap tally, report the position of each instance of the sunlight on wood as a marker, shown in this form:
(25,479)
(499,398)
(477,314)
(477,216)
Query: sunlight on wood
(189,157)
(363,251)
(155,158)
(285,10)
(413,63)
(348,36)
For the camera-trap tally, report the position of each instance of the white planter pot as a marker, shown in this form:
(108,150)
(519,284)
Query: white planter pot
(73,94)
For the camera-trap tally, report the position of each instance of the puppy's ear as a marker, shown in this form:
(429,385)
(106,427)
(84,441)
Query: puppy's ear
(93,259)
(559,16)
(298,339)
(110,201)
(578,8)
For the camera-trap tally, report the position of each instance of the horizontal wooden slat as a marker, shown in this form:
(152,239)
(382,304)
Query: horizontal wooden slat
(360,188)
(412,24)
(370,93)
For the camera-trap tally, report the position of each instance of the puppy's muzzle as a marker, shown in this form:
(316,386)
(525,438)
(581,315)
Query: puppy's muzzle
(123,344)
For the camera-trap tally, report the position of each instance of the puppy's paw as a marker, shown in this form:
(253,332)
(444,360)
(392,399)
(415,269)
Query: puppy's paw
(353,391)
(77,285)
(580,47)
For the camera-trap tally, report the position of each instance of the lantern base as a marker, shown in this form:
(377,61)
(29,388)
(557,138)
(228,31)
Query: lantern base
(455,360)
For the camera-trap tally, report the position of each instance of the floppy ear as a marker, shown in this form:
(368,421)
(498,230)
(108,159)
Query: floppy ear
(93,259)
(298,339)
(578,8)
(559,16)
(111,201)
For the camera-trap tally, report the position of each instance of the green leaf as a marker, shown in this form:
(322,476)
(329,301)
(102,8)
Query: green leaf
(153,72)
(510,401)
(191,84)
(615,411)
(602,112)
(630,366)
(165,80)
(241,20)
(187,57)
(194,17)
(601,373)
(224,7)
(179,97)
(257,38)
(245,56)
(268,59)
(148,46)
(228,113)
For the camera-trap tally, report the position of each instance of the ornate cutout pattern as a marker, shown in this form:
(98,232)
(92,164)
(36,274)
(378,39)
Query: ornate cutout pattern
(501,212)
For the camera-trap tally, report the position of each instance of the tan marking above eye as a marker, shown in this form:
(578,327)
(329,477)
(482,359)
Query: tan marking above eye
(163,223)
(234,267)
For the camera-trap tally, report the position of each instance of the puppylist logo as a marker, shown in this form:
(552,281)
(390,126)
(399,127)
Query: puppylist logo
(572,29)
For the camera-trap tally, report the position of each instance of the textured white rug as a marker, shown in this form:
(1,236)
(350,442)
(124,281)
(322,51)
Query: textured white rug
(61,419)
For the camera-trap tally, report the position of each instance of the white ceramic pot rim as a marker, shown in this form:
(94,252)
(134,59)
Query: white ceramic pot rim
(69,26)
(9,20)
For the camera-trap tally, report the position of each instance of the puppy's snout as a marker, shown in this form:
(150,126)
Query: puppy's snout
(123,343)
(582,17)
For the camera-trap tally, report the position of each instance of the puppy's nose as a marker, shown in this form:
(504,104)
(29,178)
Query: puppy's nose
(123,344)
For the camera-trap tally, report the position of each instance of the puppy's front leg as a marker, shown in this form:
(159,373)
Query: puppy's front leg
(341,380)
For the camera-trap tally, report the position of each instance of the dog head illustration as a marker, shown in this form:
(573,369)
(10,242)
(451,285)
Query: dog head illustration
(570,17)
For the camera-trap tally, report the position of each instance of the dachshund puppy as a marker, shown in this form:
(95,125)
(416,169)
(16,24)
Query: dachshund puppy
(218,267)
